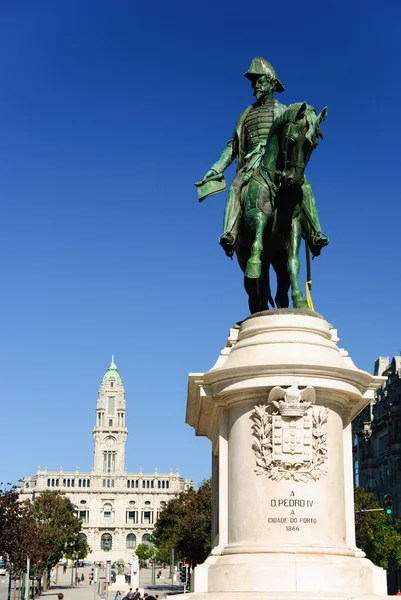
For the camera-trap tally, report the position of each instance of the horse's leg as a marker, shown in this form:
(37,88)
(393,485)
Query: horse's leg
(254,266)
(279,263)
(298,300)
(258,291)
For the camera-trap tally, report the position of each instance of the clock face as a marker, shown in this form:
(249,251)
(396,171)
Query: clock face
(110,442)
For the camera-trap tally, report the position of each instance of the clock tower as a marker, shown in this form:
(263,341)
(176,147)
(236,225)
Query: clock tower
(110,432)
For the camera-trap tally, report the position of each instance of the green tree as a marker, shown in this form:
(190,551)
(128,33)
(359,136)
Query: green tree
(375,533)
(185,524)
(59,529)
(19,534)
(144,551)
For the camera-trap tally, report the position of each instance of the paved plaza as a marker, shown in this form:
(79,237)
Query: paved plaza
(86,591)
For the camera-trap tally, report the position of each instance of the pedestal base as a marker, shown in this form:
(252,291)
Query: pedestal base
(277,407)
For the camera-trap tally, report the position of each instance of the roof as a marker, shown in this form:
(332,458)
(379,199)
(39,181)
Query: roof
(112,372)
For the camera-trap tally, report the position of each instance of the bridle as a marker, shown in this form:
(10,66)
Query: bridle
(285,148)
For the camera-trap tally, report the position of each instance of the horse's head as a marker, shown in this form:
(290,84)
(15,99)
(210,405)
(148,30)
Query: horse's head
(300,135)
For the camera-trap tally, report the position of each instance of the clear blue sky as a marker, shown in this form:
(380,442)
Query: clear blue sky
(109,111)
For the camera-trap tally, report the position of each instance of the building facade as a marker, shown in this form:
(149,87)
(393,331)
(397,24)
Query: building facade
(118,509)
(377,438)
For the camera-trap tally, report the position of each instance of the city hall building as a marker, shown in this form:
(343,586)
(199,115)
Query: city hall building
(118,509)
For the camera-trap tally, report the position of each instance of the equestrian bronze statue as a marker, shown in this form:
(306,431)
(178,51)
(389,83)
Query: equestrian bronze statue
(270,206)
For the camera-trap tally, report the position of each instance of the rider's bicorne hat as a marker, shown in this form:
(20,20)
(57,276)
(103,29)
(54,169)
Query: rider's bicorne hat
(260,66)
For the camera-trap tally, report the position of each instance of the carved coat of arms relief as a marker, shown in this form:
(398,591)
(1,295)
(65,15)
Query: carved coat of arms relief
(290,435)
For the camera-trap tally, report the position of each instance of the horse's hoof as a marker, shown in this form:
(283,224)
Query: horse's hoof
(253,269)
(301,303)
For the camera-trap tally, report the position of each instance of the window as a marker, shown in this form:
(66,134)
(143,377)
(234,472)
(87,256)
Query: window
(167,484)
(146,517)
(107,513)
(83,502)
(84,515)
(131,502)
(356,473)
(48,483)
(84,482)
(147,503)
(128,483)
(383,444)
(111,405)
(143,483)
(109,462)
(106,542)
(145,539)
(110,422)
(131,516)
(88,483)
(79,482)
(131,540)
(111,384)
(158,484)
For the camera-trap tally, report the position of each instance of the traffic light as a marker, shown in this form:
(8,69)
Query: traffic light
(184,574)
(388,505)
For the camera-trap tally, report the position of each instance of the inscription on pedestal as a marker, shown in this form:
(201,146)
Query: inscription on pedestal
(294,519)
(291,441)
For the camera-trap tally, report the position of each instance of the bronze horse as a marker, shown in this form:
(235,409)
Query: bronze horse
(272,222)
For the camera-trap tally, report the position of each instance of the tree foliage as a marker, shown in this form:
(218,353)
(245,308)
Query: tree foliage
(144,551)
(184,525)
(375,533)
(19,532)
(59,527)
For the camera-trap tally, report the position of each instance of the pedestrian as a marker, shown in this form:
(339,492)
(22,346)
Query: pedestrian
(77,579)
(117,596)
(137,595)
(82,577)
(90,578)
(130,594)
(60,596)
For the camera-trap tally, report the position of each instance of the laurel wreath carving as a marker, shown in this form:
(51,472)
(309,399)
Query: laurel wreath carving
(263,447)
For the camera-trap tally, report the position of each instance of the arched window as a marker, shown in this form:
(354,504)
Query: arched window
(107,513)
(83,536)
(131,540)
(106,542)
(145,539)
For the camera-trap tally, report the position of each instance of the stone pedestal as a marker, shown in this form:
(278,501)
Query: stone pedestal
(278,406)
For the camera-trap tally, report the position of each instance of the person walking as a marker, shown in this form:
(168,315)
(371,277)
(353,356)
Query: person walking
(118,596)
(82,578)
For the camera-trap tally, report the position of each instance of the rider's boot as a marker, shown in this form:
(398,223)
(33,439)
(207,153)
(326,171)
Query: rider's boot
(228,242)
(318,241)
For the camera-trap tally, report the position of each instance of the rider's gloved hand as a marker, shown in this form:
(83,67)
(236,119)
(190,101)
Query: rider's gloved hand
(210,173)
